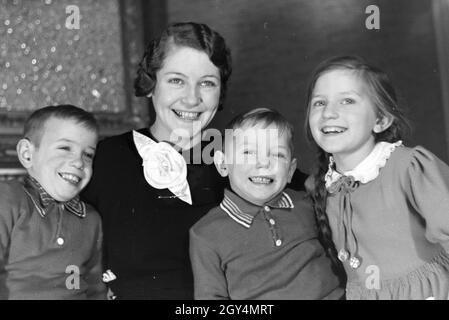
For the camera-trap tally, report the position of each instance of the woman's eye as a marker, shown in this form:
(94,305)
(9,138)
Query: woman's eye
(249,152)
(208,83)
(348,101)
(176,81)
(65,148)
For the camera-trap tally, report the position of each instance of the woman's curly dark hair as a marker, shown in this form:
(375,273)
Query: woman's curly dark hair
(187,34)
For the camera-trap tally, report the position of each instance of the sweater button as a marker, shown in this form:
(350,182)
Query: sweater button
(278,242)
(272,222)
(343,255)
(60,241)
(354,262)
(267,208)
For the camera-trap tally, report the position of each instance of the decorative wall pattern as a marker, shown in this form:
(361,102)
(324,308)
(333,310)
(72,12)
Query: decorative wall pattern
(44,62)
(46,59)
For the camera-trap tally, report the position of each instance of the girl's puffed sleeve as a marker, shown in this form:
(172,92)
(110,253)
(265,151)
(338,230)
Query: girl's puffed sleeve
(428,193)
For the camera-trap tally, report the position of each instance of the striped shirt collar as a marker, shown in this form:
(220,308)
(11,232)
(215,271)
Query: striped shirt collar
(44,202)
(243,212)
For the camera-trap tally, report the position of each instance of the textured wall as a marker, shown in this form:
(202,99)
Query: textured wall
(42,62)
(47,58)
(276,44)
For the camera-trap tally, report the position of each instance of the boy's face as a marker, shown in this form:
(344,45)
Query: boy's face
(62,162)
(259,163)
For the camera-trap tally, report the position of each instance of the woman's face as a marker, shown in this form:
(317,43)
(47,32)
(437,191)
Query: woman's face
(186,95)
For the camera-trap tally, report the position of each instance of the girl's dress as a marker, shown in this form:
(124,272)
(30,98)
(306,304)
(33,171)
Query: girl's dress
(390,223)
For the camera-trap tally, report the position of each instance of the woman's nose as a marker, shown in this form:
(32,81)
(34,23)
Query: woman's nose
(330,111)
(192,96)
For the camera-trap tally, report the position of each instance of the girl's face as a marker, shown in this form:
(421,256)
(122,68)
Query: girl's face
(186,94)
(342,117)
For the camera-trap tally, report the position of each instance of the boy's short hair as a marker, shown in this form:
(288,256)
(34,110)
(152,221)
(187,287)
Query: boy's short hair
(266,117)
(34,125)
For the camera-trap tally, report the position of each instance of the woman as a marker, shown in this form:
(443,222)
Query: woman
(147,211)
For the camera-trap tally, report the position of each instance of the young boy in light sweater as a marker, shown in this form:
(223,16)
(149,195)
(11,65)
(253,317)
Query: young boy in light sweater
(262,241)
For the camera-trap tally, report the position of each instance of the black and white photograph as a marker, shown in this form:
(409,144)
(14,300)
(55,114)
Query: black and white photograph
(208,150)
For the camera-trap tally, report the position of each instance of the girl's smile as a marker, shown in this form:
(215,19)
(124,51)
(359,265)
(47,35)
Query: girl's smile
(331,130)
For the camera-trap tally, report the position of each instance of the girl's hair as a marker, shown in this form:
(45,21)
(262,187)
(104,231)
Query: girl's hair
(186,34)
(384,99)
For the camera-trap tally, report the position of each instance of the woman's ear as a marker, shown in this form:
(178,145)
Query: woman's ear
(25,150)
(220,164)
(383,122)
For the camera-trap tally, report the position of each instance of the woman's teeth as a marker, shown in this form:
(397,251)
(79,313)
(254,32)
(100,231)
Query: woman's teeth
(187,115)
(327,130)
(262,180)
(70,178)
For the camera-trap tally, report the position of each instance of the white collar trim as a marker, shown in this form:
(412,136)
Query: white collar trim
(368,169)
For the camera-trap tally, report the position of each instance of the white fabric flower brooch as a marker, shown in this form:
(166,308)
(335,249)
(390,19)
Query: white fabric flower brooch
(108,276)
(163,166)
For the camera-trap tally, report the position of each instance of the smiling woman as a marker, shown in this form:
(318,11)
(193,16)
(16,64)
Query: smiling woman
(147,194)
(185,97)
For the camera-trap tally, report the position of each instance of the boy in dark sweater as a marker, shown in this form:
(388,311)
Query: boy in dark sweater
(262,241)
(50,241)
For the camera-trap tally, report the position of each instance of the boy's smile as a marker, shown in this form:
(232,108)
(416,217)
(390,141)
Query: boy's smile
(62,161)
(261,180)
(258,162)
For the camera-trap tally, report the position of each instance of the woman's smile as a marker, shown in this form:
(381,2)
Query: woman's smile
(187,115)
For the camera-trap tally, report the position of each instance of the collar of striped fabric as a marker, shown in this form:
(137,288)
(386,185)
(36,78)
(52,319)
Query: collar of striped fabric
(44,202)
(243,212)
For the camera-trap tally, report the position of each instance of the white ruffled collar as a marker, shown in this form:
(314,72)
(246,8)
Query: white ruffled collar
(368,169)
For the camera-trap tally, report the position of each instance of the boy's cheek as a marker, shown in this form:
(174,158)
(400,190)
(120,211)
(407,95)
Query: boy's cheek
(88,173)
